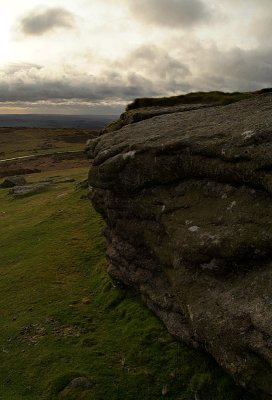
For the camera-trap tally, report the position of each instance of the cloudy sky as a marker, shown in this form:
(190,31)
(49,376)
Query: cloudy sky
(94,56)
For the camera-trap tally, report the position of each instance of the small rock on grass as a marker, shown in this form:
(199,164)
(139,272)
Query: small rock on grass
(18,191)
(64,179)
(81,382)
(85,300)
(11,181)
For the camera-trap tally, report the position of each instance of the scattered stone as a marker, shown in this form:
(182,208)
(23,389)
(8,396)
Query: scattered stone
(164,390)
(10,171)
(19,191)
(60,180)
(81,383)
(86,300)
(193,229)
(11,181)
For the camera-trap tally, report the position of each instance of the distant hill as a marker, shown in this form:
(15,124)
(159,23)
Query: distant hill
(56,121)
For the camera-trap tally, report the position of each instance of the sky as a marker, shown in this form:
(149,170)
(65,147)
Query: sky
(95,56)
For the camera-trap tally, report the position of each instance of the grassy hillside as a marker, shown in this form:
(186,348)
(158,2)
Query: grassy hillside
(215,97)
(62,317)
(220,98)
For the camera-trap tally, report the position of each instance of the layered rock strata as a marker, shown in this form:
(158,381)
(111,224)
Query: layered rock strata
(186,198)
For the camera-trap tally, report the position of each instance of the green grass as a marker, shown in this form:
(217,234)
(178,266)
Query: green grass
(215,97)
(52,256)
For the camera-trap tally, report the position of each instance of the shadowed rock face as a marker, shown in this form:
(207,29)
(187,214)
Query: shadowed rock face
(186,198)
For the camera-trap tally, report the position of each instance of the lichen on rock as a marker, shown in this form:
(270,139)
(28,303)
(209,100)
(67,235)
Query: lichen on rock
(186,197)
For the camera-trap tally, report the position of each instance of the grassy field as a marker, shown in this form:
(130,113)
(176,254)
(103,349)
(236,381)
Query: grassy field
(16,142)
(62,317)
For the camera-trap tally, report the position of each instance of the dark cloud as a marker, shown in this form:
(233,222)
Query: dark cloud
(35,85)
(235,69)
(167,72)
(203,67)
(146,71)
(40,21)
(170,13)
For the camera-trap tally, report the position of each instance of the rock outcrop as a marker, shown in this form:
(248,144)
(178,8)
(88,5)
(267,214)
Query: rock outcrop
(186,198)
(137,115)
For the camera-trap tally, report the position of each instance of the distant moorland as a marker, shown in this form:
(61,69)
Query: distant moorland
(56,121)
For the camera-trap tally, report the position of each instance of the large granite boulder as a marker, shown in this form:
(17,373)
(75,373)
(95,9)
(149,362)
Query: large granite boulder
(136,115)
(186,198)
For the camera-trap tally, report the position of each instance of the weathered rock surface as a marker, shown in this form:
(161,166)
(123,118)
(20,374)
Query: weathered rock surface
(186,198)
(26,190)
(12,181)
(137,115)
(59,179)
